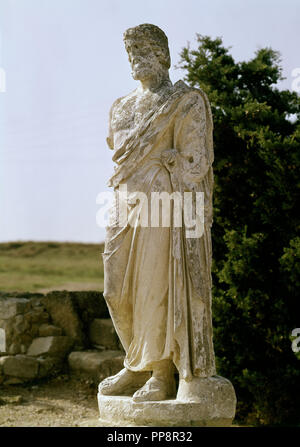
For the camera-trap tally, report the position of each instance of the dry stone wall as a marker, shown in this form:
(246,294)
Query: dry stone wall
(38,332)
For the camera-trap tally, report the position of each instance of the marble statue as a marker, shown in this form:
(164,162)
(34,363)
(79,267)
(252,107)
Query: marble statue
(157,279)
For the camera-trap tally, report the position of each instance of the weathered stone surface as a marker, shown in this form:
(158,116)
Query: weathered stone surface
(25,340)
(216,391)
(19,366)
(63,311)
(94,364)
(14,348)
(37,316)
(23,324)
(74,312)
(215,407)
(47,330)
(161,135)
(28,327)
(57,346)
(20,324)
(102,333)
(158,278)
(13,306)
(48,366)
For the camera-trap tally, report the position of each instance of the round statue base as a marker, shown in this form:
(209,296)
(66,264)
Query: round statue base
(214,407)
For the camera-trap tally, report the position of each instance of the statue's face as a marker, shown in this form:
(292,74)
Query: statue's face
(143,60)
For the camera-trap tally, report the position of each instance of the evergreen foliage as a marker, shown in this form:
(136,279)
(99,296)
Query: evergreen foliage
(256,243)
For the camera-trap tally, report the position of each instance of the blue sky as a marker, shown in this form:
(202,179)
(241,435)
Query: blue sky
(65,64)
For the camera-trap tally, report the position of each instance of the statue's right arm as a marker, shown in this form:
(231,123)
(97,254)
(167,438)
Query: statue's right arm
(110,138)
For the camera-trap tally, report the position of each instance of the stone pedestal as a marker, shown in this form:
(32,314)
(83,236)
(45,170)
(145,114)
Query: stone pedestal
(213,405)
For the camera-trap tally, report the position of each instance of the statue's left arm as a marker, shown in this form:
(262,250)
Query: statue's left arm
(191,158)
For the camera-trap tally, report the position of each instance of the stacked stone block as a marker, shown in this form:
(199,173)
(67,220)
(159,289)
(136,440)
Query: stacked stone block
(37,332)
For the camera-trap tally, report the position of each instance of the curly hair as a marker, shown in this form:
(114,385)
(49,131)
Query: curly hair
(153,35)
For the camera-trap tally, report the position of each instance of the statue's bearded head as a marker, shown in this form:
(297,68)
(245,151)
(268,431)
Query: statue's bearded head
(148,51)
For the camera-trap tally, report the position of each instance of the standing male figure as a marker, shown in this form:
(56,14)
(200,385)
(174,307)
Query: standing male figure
(157,279)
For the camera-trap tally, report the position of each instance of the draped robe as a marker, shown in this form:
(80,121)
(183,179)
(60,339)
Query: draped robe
(157,281)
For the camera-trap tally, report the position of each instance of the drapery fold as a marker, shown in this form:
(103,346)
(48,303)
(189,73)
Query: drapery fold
(157,281)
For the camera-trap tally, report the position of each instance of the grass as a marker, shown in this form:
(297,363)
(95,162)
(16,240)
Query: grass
(44,266)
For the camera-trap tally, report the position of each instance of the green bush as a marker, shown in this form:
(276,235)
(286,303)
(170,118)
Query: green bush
(255,245)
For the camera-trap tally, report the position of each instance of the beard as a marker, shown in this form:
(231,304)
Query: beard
(140,73)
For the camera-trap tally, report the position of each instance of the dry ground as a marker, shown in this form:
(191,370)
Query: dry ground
(59,402)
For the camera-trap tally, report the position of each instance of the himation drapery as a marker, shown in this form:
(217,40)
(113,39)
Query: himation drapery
(157,280)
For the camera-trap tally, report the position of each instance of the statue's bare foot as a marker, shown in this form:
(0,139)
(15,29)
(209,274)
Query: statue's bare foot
(124,383)
(156,389)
